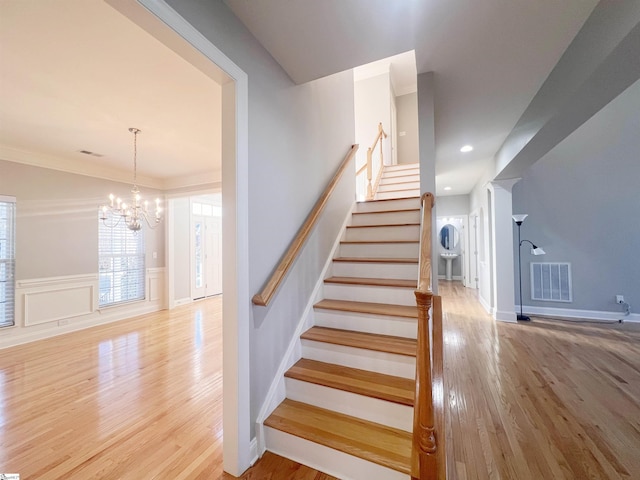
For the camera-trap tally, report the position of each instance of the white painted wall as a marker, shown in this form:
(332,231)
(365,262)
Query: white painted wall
(372,100)
(298,134)
(407,109)
(181,271)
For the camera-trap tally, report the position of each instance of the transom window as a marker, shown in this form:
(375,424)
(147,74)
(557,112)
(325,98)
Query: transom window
(7,260)
(121,263)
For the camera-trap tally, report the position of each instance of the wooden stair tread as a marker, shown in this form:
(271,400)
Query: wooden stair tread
(368,307)
(370,441)
(367,341)
(417,197)
(363,382)
(386,225)
(379,282)
(375,260)
(365,242)
(400,210)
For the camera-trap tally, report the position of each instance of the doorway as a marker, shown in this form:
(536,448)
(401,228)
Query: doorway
(168,27)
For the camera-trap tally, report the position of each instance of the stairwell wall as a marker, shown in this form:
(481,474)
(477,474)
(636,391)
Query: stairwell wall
(298,135)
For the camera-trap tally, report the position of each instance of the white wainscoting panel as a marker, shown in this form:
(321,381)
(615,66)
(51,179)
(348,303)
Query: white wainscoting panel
(51,299)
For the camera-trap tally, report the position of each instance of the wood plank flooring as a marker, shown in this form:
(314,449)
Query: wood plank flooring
(141,399)
(546,399)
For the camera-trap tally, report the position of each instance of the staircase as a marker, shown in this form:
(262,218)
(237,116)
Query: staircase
(349,400)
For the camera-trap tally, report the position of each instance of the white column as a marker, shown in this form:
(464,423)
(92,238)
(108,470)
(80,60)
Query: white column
(502,250)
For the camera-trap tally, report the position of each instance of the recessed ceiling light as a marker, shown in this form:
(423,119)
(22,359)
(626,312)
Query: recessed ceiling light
(447,188)
(466,148)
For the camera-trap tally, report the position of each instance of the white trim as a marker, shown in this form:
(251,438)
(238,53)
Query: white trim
(54,281)
(7,199)
(182,301)
(253,446)
(277,391)
(583,314)
(485,305)
(236,307)
(501,316)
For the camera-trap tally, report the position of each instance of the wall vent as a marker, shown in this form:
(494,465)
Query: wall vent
(551,282)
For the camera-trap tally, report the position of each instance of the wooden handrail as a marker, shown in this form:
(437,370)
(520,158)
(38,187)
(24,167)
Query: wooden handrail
(268,290)
(370,189)
(427,456)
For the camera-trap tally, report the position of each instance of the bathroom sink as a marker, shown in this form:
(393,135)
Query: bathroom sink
(449,257)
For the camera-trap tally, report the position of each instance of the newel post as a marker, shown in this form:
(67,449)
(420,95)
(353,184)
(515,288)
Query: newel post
(424,438)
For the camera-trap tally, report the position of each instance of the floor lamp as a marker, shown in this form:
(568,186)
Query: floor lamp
(534,251)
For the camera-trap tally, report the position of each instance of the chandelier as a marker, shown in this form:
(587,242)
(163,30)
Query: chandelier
(135,212)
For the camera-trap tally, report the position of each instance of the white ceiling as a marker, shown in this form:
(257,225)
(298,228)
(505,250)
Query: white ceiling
(76,74)
(490,57)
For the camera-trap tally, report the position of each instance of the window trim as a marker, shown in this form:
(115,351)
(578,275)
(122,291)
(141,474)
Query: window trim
(140,272)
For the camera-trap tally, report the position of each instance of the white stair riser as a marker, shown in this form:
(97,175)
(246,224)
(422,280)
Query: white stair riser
(364,322)
(370,293)
(387,186)
(333,462)
(386,218)
(400,179)
(389,173)
(360,406)
(373,234)
(398,194)
(381,362)
(379,250)
(400,271)
(399,204)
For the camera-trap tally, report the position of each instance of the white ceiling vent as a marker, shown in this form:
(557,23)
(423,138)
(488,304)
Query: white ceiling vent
(551,282)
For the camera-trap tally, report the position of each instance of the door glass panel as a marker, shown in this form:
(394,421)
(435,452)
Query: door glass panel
(199,254)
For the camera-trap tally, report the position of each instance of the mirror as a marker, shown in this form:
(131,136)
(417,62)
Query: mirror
(449,237)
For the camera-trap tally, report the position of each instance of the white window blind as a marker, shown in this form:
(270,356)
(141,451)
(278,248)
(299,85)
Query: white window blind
(7,260)
(121,263)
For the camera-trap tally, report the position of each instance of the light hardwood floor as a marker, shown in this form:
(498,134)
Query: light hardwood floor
(545,399)
(141,399)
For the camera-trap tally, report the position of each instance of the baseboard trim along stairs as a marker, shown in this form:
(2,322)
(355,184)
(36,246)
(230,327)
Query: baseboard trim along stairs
(348,409)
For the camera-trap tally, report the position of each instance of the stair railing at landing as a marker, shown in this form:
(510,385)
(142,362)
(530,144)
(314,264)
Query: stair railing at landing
(428,453)
(372,188)
(273,282)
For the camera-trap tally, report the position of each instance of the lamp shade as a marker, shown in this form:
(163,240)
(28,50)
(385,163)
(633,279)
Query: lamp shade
(537,251)
(519,218)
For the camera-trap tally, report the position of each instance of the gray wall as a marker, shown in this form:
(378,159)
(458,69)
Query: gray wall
(407,113)
(298,135)
(57,220)
(583,201)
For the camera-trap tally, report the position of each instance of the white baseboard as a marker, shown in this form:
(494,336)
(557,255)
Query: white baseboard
(277,391)
(575,313)
(508,316)
(485,305)
(253,451)
(182,301)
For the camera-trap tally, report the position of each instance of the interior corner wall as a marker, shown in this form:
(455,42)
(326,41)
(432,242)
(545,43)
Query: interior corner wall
(583,200)
(372,104)
(407,111)
(298,135)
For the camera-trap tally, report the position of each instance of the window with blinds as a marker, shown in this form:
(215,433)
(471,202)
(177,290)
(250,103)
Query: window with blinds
(7,260)
(121,263)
